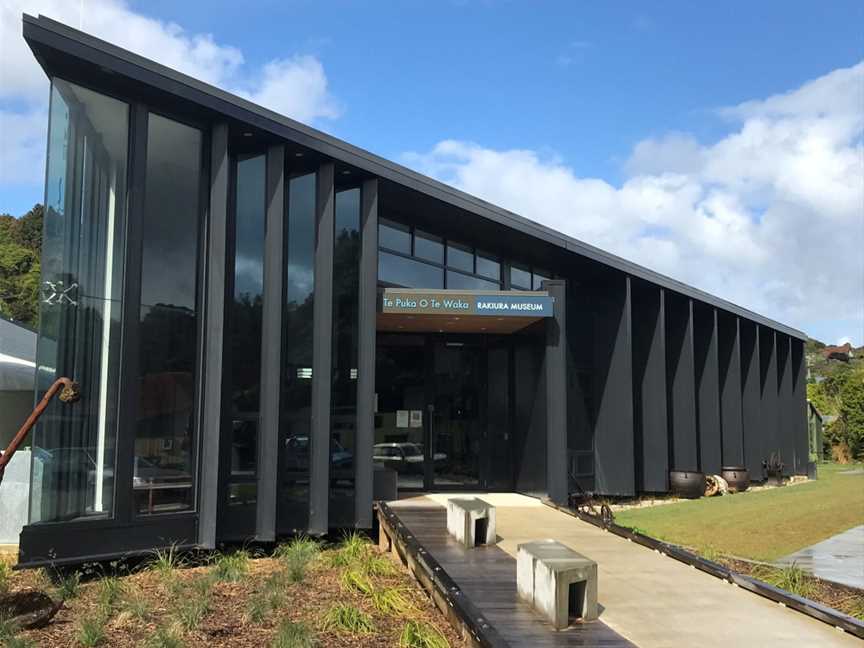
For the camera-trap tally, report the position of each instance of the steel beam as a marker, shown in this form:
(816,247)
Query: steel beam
(322,350)
(271,350)
(216,299)
(368,275)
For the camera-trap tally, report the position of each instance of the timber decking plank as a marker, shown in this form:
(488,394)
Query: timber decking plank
(487,575)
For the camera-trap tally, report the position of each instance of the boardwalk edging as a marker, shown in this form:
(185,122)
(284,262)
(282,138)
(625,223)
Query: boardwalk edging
(799,603)
(447,595)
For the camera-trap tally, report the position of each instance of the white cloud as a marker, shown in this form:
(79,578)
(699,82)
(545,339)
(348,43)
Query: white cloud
(770,217)
(295,85)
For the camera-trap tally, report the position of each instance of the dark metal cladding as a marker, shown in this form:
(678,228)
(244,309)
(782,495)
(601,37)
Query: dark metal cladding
(271,353)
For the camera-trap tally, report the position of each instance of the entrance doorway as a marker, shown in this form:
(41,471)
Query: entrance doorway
(432,421)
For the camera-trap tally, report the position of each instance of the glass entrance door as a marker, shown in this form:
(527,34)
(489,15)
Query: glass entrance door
(457,418)
(442,419)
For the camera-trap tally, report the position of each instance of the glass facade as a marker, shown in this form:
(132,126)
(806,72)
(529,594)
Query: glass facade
(163,477)
(343,396)
(80,307)
(297,322)
(244,378)
(401,271)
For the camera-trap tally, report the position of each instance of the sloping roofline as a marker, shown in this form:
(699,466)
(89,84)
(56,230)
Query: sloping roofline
(43,31)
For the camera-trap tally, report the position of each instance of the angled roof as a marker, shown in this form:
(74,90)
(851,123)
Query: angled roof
(44,34)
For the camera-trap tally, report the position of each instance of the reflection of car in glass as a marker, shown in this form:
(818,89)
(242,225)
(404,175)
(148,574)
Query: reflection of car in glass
(402,457)
(297,453)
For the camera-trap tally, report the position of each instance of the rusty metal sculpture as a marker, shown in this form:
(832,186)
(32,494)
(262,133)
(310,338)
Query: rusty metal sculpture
(69,393)
(586,503)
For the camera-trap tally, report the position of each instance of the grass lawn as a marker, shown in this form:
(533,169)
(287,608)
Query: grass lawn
(762,525)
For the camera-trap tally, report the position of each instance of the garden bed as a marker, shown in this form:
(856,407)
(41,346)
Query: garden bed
(845,599)
(300,596)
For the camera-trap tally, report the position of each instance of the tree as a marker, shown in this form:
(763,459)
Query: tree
(852,411)
(20,250)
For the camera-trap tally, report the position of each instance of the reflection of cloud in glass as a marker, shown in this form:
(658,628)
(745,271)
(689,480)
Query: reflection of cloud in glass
(300,282)
(248,276)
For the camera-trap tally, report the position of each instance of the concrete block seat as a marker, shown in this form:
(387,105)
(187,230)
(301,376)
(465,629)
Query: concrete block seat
(558,582)
(471,521)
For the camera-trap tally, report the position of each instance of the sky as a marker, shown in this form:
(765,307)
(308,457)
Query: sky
(721,144)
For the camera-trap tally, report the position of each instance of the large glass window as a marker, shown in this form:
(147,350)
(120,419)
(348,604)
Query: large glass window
(80,308)
(399,271)
(537,279)
(488,267)
(165,437)
(295,424)
(394,236)
(343,415)
(460,257)
(459,281)
(520,278)
(245,329)
(428,247)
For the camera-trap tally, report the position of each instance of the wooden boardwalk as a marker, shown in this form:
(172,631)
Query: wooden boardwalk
(487,575)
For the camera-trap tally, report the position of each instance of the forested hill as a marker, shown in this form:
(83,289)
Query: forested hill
(20,245)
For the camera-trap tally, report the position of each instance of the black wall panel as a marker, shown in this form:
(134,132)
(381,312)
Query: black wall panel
(649,388)
(613,431)
(529,440)
(580,386)
(681,383)
(786,429)
(768,412)
(731,426)
(707,387)
(751,397)
(799,407)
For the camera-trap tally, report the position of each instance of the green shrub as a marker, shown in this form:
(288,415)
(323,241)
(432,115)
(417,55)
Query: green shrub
(111,590)
(416,634)
(192,609)
(5,576)
(293,635)
(257,608)
(166,562)
(790,578)
(7,628)
(137,607)
(356,581)
(376,565)
(232,567)
(300,546)
(68,585)
(297,555)
(91,631)
(165,637)
(353,548)
(347,619)
(19,642)
(391,601)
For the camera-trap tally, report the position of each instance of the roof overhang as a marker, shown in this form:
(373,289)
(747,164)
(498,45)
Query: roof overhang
(60,48)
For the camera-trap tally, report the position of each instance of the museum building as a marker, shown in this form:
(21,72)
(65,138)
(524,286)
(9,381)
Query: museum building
(272,328)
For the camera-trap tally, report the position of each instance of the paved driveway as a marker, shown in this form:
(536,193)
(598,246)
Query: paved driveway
(656,601)
(840,558)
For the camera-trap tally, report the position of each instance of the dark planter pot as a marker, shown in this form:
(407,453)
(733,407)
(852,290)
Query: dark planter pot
(811,470)
(737,477)
(688,484)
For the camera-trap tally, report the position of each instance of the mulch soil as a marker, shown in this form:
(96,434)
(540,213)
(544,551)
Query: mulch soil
(848,600)
(226,623)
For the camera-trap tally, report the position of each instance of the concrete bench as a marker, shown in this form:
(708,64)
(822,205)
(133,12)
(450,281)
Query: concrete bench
(471,521)
(558,582)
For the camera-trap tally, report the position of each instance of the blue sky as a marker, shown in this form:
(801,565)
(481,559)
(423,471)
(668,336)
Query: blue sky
(598,102)
(585,79)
